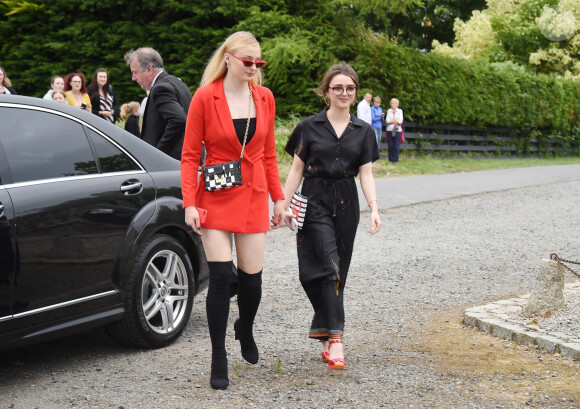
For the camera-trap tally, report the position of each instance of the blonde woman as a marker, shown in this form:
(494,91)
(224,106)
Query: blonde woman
(130,113)
(5,84)
(394,129)
(58,96)
(230,110)
(378,118)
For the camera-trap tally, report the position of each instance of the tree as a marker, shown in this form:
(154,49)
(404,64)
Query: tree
(417,27)
(538,35)
(300,39)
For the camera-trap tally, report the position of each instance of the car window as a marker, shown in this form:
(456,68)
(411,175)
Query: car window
(111,158)
(41,145)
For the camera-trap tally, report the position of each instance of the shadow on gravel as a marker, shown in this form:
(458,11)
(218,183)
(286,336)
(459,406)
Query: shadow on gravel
(60,353)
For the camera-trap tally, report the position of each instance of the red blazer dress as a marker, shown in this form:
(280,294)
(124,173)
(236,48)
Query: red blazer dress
(239,209)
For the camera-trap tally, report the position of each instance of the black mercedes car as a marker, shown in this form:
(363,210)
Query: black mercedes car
(92,230)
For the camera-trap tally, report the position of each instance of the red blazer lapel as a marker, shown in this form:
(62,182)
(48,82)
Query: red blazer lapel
(225,119)
(223,115)
(262,113)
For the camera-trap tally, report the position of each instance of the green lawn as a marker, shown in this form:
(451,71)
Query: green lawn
(409,166)
(425,165)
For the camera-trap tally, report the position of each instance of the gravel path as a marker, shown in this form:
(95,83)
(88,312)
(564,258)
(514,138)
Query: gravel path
(428,263)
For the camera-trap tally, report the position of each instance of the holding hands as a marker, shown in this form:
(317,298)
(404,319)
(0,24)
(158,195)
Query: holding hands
(279,217)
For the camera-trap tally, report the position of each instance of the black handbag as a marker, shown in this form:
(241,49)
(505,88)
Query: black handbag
(226,175)
(222,175)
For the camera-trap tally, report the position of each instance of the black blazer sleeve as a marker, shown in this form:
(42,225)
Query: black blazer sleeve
(166,114)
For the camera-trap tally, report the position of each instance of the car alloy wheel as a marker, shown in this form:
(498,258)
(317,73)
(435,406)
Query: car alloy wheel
(158,296)
(164,292)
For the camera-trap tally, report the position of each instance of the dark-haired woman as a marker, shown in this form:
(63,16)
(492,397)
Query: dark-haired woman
(329,150)
(103,98)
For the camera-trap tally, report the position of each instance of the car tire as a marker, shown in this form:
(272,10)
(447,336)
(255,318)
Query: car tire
(159,295)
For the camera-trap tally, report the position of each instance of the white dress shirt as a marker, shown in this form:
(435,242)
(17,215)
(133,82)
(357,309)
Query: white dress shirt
(363,111)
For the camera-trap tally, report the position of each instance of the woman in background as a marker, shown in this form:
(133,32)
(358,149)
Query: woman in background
(394,130)
(103,99)
(6,84)
(75,86)
(130,113)
(378,118)
(56,83)
(59,96)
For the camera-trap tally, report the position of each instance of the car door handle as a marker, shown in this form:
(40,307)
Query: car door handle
(1,210)
(131,187)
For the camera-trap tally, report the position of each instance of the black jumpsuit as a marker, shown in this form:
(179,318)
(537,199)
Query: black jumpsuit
(325,243)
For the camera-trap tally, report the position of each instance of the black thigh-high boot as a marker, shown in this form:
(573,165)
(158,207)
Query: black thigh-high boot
(217,305)
(249,296)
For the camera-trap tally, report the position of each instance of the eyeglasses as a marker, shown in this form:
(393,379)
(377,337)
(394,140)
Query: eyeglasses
(249,63)
(76,82)
(338,91)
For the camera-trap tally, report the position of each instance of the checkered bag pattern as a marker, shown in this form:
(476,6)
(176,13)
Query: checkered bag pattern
(222,176)
(298,208)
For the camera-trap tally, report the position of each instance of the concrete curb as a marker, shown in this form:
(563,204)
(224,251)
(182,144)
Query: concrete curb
(502,319)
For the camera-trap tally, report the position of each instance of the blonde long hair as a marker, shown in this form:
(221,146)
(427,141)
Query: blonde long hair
(216,67)
(130,108)
(7,82)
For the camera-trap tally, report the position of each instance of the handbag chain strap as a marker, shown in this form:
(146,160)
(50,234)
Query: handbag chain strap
(247,123)
(247,128)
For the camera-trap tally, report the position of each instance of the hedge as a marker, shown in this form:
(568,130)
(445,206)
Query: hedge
(436,89)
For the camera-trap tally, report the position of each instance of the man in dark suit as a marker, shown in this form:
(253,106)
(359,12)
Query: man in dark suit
(167,104)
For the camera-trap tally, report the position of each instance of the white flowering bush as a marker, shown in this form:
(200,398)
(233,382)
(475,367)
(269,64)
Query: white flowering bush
(444,49)
(496,7)
(557,25)
(538,35)
(475,37)
(571,5)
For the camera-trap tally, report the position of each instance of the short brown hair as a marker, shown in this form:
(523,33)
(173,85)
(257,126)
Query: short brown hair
(337,69)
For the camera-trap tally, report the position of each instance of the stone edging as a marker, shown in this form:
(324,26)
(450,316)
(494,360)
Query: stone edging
(500,319)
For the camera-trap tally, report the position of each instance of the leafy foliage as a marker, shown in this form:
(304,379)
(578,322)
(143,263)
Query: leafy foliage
(434,89)
(540,35)
(417,27)
(300,40)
